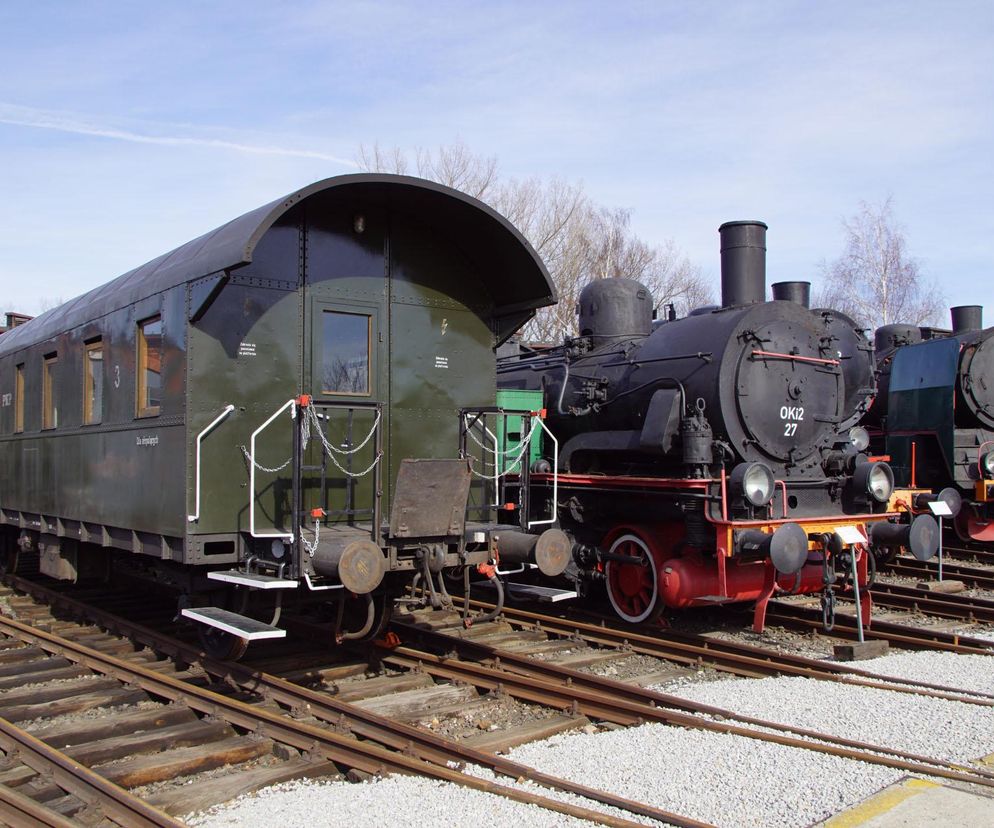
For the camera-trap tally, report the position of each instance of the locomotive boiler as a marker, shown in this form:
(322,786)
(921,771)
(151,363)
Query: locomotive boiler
(711,458)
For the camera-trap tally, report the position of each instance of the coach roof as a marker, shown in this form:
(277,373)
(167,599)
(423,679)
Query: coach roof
(512,271)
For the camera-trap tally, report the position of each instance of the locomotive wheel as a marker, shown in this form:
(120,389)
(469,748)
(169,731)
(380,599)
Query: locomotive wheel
(221,645)
(633,589)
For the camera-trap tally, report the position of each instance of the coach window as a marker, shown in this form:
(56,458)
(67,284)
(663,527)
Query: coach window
(149,384)
(49,408)
(19,398)
(345,353)
(93,382)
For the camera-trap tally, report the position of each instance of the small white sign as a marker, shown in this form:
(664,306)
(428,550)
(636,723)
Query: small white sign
(940,508)
(246,349)
(441,362)
(850,534)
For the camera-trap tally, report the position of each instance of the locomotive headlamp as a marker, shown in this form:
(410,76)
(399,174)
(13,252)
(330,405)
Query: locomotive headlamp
(755,481)
(859,438)
(987,464)
(877,479)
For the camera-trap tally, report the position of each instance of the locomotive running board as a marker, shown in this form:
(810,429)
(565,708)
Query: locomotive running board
(232,622)
(252,580)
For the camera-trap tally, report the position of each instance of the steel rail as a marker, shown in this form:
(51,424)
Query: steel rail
(549,684)
(729,656)
(400,748)
(89,787)
(901,635)
(20,811)
(971,576)
(939,604)
(980,555)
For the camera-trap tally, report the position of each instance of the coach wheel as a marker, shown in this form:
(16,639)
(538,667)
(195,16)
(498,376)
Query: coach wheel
(633,588)
(221,645)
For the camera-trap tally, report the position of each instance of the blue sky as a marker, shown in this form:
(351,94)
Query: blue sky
(128,128)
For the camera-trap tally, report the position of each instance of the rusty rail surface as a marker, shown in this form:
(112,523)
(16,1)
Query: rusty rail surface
(385,746)
(110,800)
(970,575)
(939,604)
(551,684)
(745,660)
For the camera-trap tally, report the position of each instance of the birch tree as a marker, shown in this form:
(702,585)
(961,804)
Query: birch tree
(577,239)
(876,280)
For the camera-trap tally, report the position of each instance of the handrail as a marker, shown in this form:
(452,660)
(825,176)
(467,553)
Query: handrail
(292,405)
(227,410)
(555,479)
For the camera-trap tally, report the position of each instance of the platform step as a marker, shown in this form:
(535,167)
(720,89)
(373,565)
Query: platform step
(529,592)
(251,579)
(232,622)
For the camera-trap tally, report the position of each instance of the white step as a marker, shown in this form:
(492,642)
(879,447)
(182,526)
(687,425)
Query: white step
(232,622)
(251,579)
(529,592)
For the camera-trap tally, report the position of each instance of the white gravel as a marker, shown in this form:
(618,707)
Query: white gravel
(725,780)
(966,672)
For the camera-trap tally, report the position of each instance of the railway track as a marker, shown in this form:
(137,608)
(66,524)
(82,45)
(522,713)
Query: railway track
(745,660)
(942,605)
(975,577)
(401,748)
(360,741)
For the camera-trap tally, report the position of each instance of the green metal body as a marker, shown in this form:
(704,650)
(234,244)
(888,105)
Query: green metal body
(510,436)
(442,278)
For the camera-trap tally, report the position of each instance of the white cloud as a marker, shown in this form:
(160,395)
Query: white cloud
(61,122)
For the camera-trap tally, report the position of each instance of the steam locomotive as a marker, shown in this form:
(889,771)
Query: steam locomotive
(270,409)
(712,458)
(934,415)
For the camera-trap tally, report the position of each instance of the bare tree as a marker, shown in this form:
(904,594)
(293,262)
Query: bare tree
(578,240)
(875,280)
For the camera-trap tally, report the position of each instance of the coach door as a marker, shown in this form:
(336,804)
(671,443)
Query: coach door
(345,424)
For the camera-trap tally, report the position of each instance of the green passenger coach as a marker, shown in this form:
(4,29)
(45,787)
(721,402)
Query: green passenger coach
(273,409)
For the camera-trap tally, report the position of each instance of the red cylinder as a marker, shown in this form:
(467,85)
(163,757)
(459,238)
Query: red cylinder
(683,582)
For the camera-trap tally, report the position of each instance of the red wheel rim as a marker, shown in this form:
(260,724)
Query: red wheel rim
(633,589)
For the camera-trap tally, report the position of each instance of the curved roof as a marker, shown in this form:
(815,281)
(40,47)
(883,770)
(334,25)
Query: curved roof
(513,272)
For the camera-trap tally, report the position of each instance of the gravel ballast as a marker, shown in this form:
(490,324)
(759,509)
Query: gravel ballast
(725,780)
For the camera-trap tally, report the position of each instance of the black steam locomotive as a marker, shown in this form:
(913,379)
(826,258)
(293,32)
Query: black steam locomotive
(712,458)
(934,415)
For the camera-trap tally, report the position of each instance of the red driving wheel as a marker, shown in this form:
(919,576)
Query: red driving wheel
(633,588)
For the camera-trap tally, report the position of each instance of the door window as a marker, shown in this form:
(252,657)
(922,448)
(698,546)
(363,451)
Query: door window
(345,347)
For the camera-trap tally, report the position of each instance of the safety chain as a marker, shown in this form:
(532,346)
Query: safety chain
(259,465)
(311,418)
(312,548)
(506,452)
(510,468)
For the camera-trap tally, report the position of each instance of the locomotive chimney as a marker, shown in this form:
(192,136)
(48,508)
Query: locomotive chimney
(743,262)
(967,318)
(799,292)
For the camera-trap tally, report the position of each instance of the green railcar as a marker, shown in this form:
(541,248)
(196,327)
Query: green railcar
(274,405)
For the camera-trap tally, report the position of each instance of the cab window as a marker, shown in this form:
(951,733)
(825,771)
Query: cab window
(49,408)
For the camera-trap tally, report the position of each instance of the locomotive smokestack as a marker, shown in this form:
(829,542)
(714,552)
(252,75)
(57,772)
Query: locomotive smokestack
(967,318)
(799,292)
(743,262)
